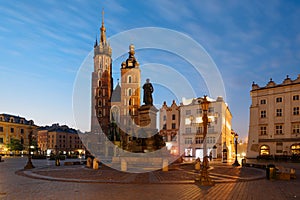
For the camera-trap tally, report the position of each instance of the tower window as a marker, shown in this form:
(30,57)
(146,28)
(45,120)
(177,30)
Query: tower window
(263,101)
(173,117)
(279,112)
(263,114)
(129,92)
(278,99)
(296,111)
(296,97)
(129,79)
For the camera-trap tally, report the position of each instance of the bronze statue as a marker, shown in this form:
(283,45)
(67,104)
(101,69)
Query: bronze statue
(148,90)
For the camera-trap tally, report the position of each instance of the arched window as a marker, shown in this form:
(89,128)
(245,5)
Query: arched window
(129,79)
(11,120)
(100,103)
(295,149)
(99,74)
(129,92)
(264,150)
(129,103)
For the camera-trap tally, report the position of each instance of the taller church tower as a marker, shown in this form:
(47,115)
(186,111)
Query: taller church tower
(102,84)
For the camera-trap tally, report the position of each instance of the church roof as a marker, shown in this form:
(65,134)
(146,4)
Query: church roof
(116,95)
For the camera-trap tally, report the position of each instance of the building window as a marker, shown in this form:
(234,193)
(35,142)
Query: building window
(164,126)
(296,97)
(278,130)
(199,140)
(12,130)
(199,111)
(22,131)
(278,99)
(279,112)
(211,109)
(263,130)
(295,128)
(188,112)
(99,102)
(1,118)
(174,138)
(1,129)
(173,125)
(296,111)
(264,150)
(164,117)
(188,140)
(1,140)
(263,101)
(199,130)
(263,114)
(188,130)
(173,117)
(11,120)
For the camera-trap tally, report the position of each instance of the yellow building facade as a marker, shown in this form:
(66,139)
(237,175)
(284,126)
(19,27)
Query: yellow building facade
(15,127)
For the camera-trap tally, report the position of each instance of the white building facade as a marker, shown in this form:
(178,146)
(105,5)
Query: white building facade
(190,135)
(274,128)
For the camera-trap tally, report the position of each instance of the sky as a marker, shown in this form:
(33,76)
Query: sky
(44,43)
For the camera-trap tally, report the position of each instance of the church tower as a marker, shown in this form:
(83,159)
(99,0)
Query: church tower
(102,84)
(130,88)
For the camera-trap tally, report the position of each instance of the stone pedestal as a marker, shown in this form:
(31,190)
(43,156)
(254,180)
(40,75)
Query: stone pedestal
(89,162)
(95,163)
(165,165)
(123,165)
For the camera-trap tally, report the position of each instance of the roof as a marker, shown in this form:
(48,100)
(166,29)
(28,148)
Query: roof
(58,128)
(16,119)
(116,95)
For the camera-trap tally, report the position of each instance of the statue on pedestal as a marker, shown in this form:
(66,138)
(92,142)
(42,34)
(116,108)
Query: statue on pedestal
(148,90)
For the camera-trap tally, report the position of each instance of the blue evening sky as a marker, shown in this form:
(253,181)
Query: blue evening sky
(43,44)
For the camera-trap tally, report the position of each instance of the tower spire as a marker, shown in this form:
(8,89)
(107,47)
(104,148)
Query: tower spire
(103,30)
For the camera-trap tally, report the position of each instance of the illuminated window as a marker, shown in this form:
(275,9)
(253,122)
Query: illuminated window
(264,150)
(295,149)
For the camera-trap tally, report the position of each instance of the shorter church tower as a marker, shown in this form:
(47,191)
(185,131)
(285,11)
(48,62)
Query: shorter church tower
(130,88)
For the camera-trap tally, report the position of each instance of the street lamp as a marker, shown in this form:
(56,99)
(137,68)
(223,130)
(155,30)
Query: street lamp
(204,178)
(236,163)
(29,164)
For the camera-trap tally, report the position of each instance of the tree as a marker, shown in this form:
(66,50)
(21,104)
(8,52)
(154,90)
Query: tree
(15,145)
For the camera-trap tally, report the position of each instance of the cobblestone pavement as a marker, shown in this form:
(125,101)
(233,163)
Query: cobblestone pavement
(13,186)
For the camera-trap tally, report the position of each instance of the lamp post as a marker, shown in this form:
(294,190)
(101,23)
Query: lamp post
(29,164)
(204,178)
(236,163)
